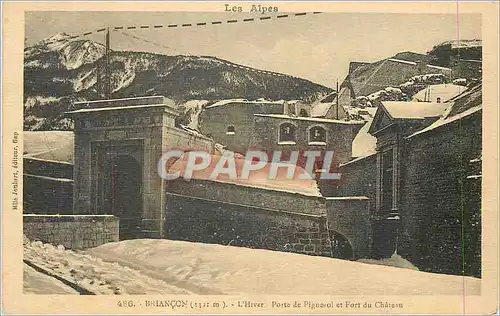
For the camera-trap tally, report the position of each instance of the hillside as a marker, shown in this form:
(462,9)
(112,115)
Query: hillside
(62,69)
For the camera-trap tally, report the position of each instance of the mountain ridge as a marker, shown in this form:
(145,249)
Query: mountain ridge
(63,69)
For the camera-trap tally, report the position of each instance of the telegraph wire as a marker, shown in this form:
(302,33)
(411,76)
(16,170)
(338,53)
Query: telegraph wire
(181,25)
(149,41)
(277,74)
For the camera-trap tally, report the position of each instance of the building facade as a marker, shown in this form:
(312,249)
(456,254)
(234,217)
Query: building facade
(424,180)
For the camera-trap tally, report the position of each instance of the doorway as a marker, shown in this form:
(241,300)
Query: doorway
(126,194)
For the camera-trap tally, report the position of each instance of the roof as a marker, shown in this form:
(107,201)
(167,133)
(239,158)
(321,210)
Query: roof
(116,108)
(414,110)
(443,91)
(461,43)
(56,146)
(445,121)
(356,160)
(310,119)
(390,72)
(466,100)
(129,101)
(245,101)
(321,107)
(257,179)
(364,143)
(462,106)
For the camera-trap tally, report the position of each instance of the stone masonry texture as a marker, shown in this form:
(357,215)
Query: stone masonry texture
(73,232)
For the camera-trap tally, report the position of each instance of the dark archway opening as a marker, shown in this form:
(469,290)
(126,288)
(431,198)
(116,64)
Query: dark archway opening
(341,247)
(126,193)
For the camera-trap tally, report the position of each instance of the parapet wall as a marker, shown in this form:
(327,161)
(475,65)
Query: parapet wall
(350,217)
(72,231)
(202,220)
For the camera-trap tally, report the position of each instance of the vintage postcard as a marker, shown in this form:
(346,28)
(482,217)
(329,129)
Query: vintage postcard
(250,158)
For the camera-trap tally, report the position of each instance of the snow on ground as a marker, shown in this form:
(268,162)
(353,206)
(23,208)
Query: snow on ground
(35,282)
(208,269)
(159,266)
(394,261)
(90,273)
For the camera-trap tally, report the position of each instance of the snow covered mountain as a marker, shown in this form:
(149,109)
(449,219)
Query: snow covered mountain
(62,69)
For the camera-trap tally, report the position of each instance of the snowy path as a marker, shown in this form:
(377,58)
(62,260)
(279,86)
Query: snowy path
(90,273)
(209,269)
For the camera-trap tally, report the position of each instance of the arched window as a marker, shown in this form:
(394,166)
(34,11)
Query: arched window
(287,132)
(317,134)
(303,113)
(230,130)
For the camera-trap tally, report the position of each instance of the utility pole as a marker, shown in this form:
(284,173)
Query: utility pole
(99,83)
(337,98)
(107,82)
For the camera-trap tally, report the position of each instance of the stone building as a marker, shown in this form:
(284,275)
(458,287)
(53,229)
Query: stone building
(280,126)
(231,122)
(118,144)
(425,182)
(117,148)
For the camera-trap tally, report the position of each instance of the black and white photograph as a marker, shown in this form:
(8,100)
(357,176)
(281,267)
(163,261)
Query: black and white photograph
(249,151)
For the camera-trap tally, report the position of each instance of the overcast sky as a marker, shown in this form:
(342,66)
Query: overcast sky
(315,47)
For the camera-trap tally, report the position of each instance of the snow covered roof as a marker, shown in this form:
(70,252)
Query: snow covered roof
(115,108)
(414,110)
(461,43)
(465,101)
(444,121)
(464,105)
(193,131)
(257,179)
(443,91)
(240,101)
(388,72)
(311,119)
(56,146)
(364,143)
(321,107)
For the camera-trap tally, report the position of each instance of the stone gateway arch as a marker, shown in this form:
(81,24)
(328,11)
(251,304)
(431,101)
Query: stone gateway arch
(118,144)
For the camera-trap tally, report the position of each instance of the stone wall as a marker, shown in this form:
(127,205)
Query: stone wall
(215,120)
(339,136)
(72,231)
(47,187)
(45,195)
(350,217)
(208,221)
(359,178)
(441,206)
(250,196)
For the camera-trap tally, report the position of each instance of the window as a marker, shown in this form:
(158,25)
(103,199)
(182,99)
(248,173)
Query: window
(303,113)
(291,109)
(230,130)
(317,134)
(287,133)
(387,180)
